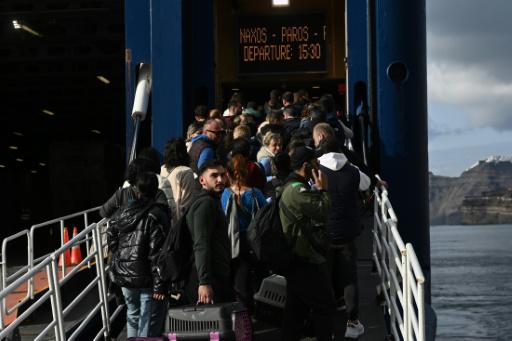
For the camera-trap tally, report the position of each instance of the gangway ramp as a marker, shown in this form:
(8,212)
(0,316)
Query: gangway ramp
(78,304)
(69,301)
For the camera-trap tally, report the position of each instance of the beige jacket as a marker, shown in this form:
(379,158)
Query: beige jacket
(179,187)
(263,153)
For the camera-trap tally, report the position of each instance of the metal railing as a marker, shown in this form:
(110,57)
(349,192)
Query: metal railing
(62,224)
(402,280)
(31,260)
(55,282)
(6,278)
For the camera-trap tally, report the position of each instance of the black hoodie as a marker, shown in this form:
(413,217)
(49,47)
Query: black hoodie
(208,227)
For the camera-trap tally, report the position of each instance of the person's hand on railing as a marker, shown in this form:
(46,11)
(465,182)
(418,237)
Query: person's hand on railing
(381,183)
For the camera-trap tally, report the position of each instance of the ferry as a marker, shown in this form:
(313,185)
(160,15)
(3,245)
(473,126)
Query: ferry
(370,54)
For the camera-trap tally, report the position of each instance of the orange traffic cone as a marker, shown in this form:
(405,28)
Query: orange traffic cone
(76,253)
(66,256)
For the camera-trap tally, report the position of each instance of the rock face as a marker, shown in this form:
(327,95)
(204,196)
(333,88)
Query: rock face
(480,195)
(489,208)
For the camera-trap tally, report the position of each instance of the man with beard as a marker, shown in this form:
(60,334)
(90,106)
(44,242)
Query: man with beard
(210,281)
(303,211)
(204,145)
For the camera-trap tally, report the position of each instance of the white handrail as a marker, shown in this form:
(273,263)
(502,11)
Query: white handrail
(55,282)
(31,260)
(6,278)
(400,273)
(61,221)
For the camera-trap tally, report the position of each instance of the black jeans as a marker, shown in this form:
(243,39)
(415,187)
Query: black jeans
(158,315)
(247,275)
(308,289)
(343,270)
(241,269)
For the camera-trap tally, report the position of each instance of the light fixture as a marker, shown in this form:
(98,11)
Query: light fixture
(33,171)
(96,131)
(2,166)
(280,3)
(235,89)
(17,133)
(315,87)
(19,159)
(42,164)
(13,147)
(103,79)
(48,112)
(18,26)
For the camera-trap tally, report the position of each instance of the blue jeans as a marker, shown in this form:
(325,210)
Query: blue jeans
(138,310)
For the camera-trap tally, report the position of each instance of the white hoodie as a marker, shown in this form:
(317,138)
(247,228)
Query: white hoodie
(336,161)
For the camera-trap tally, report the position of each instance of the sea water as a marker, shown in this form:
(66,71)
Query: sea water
(472,281)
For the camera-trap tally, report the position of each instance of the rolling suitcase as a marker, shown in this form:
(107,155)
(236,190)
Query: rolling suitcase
(226,321)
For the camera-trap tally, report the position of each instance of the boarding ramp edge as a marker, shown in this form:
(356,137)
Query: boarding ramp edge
(402,282)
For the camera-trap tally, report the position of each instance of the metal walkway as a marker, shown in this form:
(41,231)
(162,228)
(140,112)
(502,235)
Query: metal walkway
(87,303)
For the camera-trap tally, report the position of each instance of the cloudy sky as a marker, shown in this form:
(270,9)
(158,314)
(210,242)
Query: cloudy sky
(470,82)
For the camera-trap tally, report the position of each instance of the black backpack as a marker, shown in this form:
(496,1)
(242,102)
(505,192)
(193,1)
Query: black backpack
(266,238)
(175,258)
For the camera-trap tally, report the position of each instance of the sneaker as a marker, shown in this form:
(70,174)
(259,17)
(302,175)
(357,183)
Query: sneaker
(340,305)
(354,329)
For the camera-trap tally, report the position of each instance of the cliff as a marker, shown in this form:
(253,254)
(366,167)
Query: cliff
(480,195)
(489,208)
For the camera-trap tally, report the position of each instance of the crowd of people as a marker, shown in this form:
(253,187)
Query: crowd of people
(229,166)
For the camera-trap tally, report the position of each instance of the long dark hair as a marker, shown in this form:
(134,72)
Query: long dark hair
(176,154)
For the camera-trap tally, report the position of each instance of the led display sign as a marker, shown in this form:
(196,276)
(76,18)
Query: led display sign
(282,44)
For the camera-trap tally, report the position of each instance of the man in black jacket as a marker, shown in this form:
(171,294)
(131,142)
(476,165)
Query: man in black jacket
(211,282)
(135,236)
(343,226)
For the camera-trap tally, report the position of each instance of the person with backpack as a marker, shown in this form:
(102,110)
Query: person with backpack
(343,226)
(303,211)
(179,184)
(126,193)
(204,146)
(210,280)
(240,203)
(134,237)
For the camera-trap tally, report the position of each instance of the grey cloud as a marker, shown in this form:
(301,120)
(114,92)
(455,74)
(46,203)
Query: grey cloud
(473,32)
(469,56)
(436,129)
